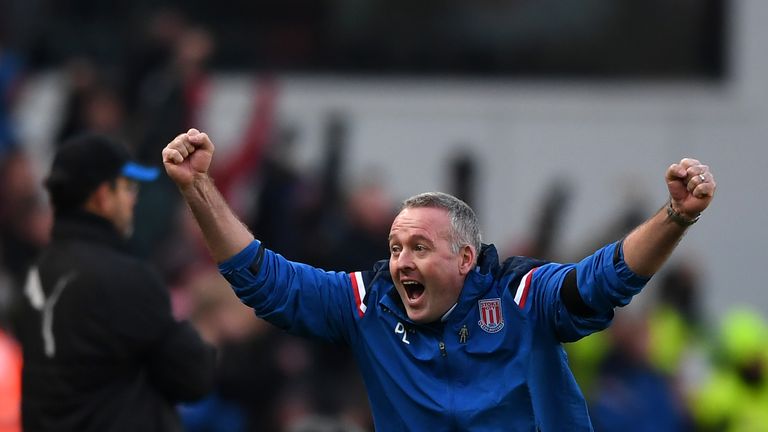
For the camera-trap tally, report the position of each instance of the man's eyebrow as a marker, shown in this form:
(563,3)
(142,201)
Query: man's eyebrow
(415,237)
(422,237)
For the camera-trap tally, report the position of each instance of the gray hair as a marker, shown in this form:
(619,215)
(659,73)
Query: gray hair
(465,229)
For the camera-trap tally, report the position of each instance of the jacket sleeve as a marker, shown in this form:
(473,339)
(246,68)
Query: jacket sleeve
(181,365)
(296,297)
(603,284)
(177,362)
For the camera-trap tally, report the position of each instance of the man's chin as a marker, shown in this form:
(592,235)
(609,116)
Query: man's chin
(418,316)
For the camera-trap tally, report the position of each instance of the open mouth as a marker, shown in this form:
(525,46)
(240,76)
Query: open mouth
(413,289)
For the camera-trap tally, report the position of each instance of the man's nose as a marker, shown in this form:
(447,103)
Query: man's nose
(404,260)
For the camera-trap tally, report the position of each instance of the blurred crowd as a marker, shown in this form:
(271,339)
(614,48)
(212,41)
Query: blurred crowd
(660,367)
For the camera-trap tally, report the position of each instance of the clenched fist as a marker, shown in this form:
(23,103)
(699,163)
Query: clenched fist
(188,156)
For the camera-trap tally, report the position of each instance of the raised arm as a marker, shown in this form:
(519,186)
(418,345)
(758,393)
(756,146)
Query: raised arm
(187,160)
(295,297)
(691,188)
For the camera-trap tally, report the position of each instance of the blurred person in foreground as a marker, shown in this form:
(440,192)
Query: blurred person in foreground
(101,350)
(445,336)
(733,395)
(631,394)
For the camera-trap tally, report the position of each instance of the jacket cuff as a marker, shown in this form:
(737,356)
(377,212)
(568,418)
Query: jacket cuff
(241,260)
(626,274)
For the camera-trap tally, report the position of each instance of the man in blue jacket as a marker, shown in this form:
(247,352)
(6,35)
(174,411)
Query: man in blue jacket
(446,337)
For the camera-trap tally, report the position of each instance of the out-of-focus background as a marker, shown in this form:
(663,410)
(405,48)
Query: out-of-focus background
(554,119)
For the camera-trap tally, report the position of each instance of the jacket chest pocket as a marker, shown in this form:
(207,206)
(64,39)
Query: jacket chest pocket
(503,333)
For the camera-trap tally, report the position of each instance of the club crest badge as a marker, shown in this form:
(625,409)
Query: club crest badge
(491,318)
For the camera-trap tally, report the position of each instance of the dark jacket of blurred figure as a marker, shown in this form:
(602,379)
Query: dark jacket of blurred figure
(102,351)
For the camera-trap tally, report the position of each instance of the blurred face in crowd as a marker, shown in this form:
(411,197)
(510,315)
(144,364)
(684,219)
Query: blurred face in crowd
(427,273)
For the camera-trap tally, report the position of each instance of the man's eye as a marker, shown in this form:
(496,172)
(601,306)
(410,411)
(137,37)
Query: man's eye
(420,248)
(394,249)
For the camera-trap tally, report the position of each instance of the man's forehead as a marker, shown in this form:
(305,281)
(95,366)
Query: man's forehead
(423,213)
(420,221)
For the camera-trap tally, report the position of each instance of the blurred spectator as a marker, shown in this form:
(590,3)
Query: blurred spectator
(679,288)
(322,221)
(734,397)
(170,99)
(92,103)
(104,113)
(172,95)
(369,211)
(675,322)
(631,396)
(549,220)
(82,78)
(283,195)
(25,221)
(150,52)
(301,215)
(463,175)
(10,80)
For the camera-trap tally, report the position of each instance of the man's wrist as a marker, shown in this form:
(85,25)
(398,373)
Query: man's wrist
(200,183)
(679,218)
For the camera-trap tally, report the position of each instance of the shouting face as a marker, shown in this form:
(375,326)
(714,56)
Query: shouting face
(426,271)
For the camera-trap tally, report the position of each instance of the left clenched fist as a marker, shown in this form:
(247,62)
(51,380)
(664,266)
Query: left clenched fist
(691,186)
(187,156)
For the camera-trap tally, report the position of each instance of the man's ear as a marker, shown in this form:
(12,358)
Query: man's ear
(467,254)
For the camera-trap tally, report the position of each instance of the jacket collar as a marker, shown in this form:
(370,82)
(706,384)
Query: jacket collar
(477,283)
(86,226)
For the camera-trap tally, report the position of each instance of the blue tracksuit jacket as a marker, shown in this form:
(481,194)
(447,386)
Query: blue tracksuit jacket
(495,363)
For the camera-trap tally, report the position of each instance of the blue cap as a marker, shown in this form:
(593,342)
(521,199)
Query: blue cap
(137,172)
